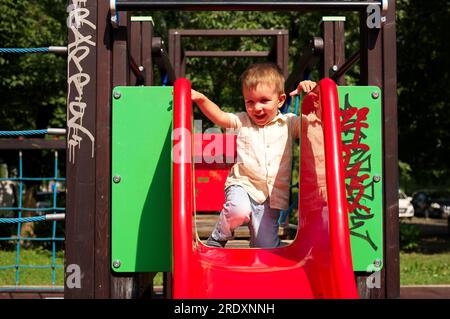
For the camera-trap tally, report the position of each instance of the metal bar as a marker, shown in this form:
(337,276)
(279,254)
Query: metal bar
(309,56)
(19,216)
(162,59)
(31,144)
(32,238)
(347,65)
(31,288)
(131,5)
(219,54)
(32,179)
(36,210)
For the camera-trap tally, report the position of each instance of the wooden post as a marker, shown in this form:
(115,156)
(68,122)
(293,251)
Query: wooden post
(81,147)
(128,42)
(140,35)
(98,60)
(378,67)
(391,183)
(102,228)
(334,46)
(282,53)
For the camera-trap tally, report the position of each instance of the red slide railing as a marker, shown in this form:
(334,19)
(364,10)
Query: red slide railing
(317,264)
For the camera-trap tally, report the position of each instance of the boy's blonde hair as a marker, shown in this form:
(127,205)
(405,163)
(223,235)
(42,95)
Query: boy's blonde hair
(263,72)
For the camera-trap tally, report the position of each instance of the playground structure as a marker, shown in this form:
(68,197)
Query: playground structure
(93,77)
(318,262)
(14,199)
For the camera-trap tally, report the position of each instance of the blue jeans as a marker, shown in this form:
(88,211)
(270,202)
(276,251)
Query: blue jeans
(240,209)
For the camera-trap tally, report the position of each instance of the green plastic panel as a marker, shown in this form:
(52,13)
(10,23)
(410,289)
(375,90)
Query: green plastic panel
(361,119)
(141,173)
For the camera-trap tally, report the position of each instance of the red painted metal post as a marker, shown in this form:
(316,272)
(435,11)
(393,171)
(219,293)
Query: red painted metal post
(340,245)
(183,206)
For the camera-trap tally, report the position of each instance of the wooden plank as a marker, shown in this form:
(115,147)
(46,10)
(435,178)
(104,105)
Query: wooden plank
(392,264)
(334,48)
(285,54)
(134,47)
(122,286)
(146,51)
(205,224)
(339,48)
(103,157)
(219,54)
(129,285)
(328,48)
(228,33)
(252,5)
(282,43)
(31,144)
(80,162)
(177,54)
(371,74)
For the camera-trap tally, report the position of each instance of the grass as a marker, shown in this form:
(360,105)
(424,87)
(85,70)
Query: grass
(424,269)
(428,263)
(37,277)
(27,276)
(158,280)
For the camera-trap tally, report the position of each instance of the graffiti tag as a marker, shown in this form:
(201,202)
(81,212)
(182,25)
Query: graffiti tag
(357,163)
(78,50)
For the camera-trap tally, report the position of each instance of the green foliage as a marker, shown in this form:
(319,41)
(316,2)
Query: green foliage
(409,237)
(218,78)
(405,176)
(32,86)
(423,90)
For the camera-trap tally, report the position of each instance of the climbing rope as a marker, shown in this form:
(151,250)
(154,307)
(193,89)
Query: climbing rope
(32,219)
(52,131)
(51,49)
(19,220)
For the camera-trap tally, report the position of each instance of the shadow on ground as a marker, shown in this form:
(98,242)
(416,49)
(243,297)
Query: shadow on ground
(434,235)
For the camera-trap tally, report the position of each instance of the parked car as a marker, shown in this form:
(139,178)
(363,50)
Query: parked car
(405,207)
(431,203)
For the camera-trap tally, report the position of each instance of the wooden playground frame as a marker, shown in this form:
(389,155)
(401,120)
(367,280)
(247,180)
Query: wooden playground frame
(107,62)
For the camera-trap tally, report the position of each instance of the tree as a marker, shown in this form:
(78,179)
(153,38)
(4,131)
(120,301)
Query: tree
(423,90)
(32,86)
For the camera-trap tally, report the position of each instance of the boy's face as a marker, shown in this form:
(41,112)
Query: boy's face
(262,102)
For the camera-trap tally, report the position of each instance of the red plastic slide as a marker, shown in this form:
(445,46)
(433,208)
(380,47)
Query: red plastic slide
(317,264)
